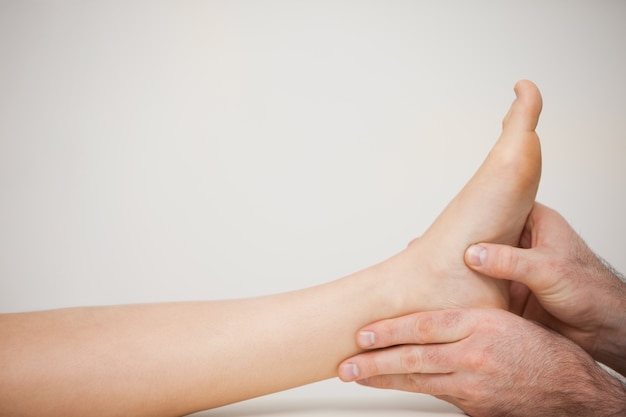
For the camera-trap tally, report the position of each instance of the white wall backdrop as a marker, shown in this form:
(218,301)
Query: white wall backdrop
(155,151)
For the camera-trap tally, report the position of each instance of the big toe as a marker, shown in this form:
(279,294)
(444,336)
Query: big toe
(523,115)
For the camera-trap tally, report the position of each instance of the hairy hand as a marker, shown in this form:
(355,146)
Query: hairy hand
(571,290)
(487,362)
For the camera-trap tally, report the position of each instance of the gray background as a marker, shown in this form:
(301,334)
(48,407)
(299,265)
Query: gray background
(156,151)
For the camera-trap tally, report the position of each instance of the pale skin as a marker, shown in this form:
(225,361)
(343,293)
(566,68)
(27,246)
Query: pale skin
(174,359)
(491,362)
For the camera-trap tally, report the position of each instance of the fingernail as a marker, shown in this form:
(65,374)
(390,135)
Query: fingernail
(476,255)
(349,371)
(366,338)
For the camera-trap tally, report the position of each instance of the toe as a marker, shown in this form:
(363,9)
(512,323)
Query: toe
(525,110)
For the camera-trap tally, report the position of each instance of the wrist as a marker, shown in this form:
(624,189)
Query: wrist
(615,396)
(599,394)
(610,343)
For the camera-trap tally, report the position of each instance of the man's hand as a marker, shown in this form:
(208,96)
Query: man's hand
(487,362)
(562,284)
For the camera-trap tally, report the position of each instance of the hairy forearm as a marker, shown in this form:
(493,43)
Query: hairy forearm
(610,346)
(611,350)
(598,396)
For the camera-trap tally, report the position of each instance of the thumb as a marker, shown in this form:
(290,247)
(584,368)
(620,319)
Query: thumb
(504,262)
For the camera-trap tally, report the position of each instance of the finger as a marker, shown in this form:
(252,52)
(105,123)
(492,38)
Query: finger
(432,384)
(404,359)
(441,326)
(505,262)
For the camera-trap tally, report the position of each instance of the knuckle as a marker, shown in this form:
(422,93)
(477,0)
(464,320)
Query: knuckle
(477,360)
(415,383)
(428,325)
(411,360)
(424,328)
(476,392)
(425,384)
(434,387)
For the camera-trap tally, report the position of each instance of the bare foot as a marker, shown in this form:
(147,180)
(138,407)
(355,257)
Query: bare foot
(492,207)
